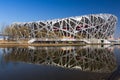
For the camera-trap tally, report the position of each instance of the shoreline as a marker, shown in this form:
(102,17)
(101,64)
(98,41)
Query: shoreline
(53,44)
(24,43)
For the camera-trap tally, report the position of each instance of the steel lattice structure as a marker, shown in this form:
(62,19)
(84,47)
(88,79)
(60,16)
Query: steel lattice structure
(99,26)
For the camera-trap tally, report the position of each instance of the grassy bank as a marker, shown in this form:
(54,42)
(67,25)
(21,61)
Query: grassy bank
(24,43)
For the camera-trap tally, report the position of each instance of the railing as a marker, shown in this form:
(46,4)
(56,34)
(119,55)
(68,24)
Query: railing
(64,39)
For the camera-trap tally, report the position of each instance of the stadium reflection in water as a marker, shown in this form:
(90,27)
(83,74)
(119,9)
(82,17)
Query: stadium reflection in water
(66,63)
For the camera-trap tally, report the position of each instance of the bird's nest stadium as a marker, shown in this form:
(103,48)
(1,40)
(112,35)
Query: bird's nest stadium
(85,28)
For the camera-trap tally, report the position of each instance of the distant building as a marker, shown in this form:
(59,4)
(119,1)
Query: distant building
(93,27)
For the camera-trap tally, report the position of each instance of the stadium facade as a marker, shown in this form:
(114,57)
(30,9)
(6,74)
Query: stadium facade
(88,28)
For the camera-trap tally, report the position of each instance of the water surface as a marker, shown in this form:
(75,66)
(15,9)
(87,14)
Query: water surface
(60,63)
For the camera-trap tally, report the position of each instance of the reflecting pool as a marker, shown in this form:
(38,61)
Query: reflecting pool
(60,63)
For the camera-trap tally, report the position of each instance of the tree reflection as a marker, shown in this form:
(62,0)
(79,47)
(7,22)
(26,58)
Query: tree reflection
(86,59)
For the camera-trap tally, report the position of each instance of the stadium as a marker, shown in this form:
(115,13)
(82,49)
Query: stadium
(91,28)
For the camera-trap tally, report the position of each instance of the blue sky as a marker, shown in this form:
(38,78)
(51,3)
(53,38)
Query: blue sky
(35,10)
